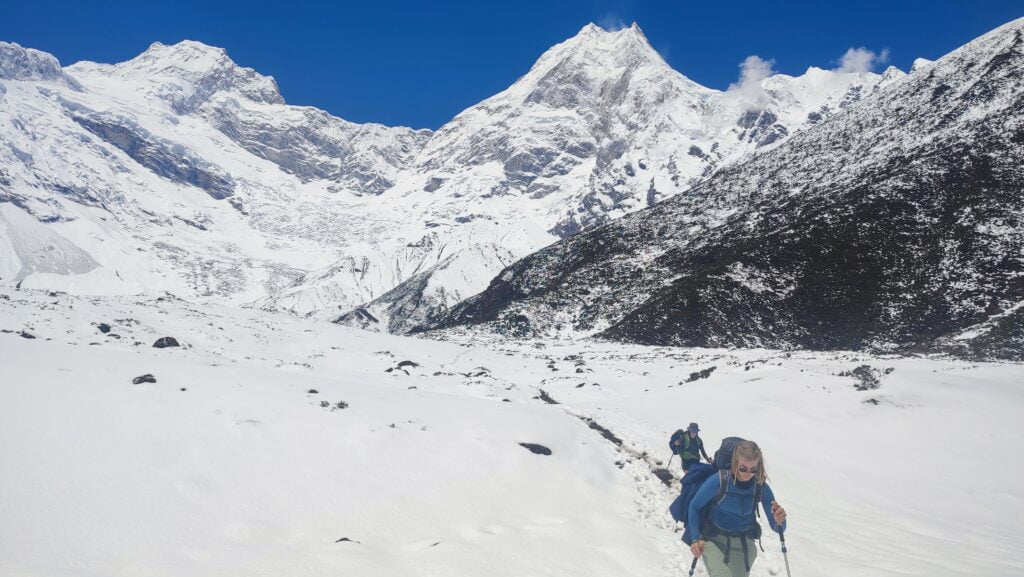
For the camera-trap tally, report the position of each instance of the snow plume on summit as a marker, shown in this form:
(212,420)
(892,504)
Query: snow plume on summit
(859,60)
(750,89)
(612,23)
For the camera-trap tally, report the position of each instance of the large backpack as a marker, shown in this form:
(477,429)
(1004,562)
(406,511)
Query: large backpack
(694,478)
(723,456)
(676,441)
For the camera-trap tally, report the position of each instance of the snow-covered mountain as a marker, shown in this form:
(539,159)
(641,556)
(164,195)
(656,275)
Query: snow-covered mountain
(181,171)
(122,164)
(600,126)
(897,223)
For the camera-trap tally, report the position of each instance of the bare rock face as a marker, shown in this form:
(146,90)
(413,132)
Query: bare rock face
(160,156)
(164,342)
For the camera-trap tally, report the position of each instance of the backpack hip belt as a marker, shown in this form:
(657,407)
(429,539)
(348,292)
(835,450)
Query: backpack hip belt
(754,533)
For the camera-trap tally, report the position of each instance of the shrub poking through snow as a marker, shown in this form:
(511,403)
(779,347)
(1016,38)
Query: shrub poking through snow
(701,374)
(867,377)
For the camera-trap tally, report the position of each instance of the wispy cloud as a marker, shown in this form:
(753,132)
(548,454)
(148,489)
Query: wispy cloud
(612,23)
(753,70)
(862,60)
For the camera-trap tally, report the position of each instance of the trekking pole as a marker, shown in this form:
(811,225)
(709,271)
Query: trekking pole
(670,461)
(782,537)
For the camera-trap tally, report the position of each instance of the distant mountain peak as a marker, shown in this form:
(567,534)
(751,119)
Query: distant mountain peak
(188,45)
(195,70)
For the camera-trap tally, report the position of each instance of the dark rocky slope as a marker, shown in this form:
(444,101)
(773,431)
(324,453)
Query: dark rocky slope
(894,225)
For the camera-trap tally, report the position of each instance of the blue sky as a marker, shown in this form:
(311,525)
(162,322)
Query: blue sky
(420,63)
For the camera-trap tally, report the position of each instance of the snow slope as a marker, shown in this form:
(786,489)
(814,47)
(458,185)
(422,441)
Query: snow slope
(230,465)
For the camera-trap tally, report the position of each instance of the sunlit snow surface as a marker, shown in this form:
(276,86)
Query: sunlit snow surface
(245,473)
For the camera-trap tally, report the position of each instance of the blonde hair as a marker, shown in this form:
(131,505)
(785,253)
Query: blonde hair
(749,450)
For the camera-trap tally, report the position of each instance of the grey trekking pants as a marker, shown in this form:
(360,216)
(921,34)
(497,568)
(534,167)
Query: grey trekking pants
(714,556)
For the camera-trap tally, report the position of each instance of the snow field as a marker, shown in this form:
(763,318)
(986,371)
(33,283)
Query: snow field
(245,472)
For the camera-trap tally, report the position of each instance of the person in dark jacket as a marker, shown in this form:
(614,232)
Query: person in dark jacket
(732,520)
(691,447)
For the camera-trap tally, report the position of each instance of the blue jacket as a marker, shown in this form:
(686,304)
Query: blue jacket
(736,511)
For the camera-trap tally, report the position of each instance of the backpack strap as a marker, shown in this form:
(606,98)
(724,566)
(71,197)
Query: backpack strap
(723,486)
(758,490)
(708,528)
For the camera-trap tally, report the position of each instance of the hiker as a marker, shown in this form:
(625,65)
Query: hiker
(730,523)
(690,447)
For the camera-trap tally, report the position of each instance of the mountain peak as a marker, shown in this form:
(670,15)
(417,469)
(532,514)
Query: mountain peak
(193,52)
(892,73)
(592,33)
(197,70)
(593,45)
(19,63)
(920,63)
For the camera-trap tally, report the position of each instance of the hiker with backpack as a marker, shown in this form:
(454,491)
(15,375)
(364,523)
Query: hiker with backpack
(722,514)
(689,446)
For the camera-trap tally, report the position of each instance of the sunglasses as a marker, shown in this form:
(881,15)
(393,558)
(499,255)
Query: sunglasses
(751,470)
